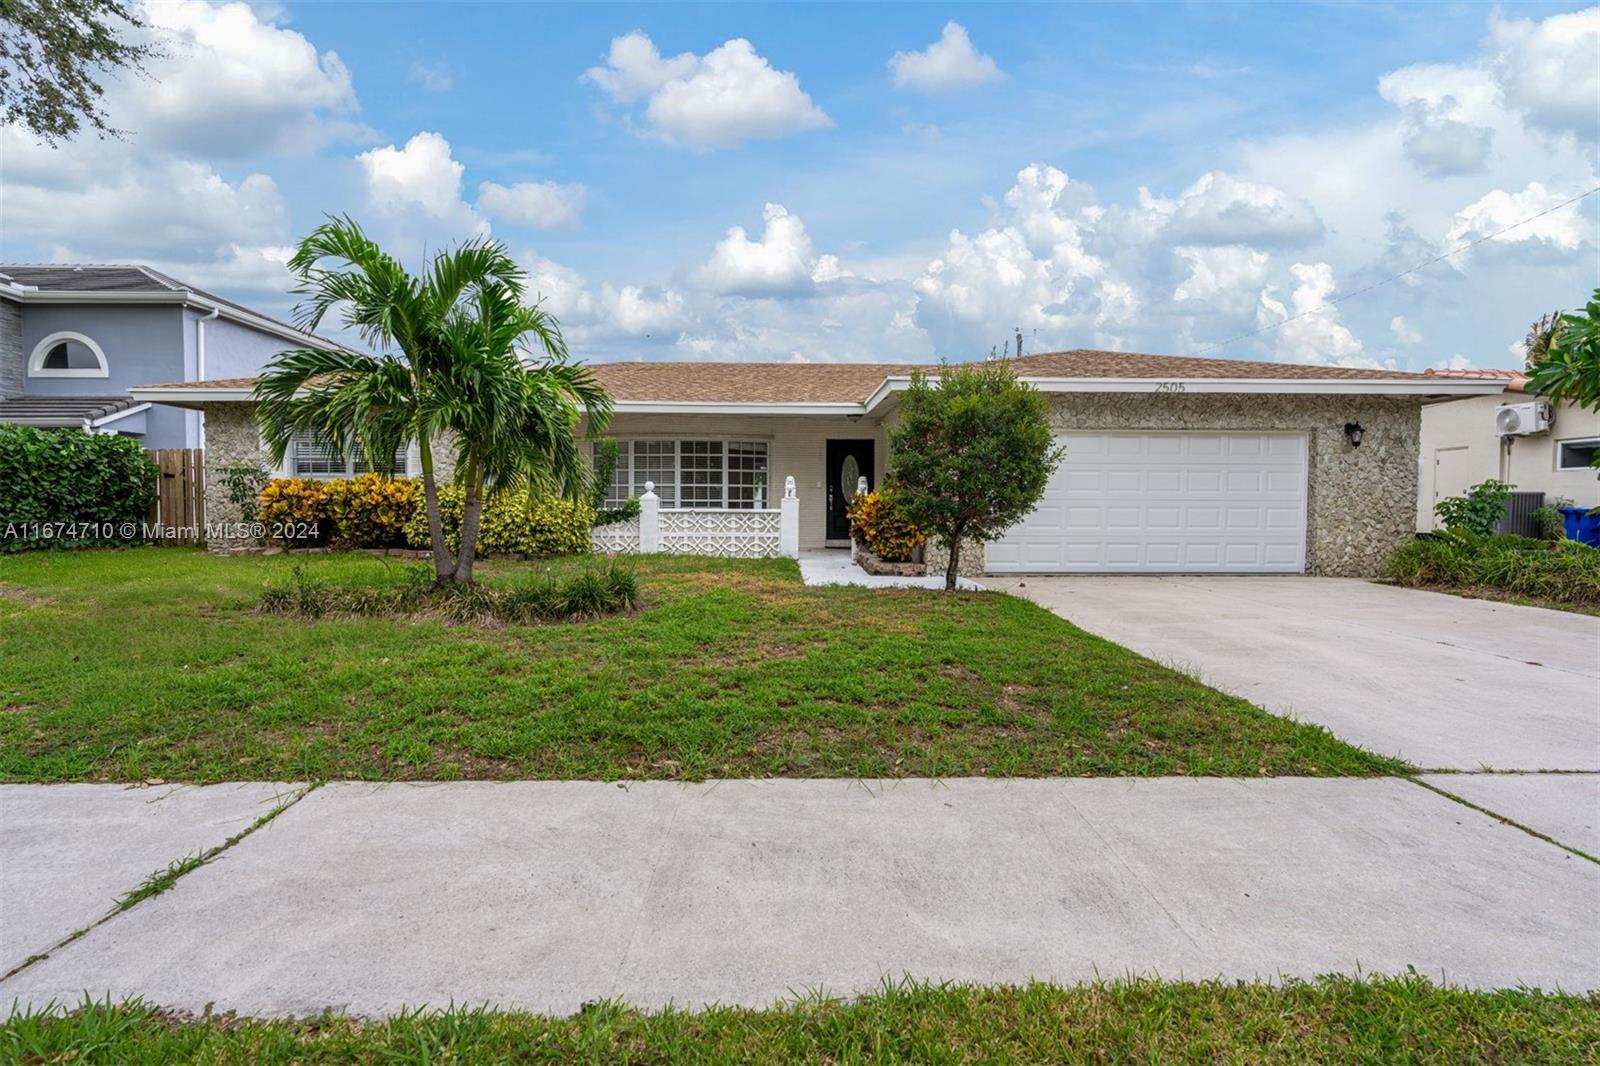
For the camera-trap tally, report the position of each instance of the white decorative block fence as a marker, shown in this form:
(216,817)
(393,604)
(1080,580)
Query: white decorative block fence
(740,534)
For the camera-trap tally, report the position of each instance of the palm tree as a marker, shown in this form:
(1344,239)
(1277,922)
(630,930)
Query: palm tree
(459,357)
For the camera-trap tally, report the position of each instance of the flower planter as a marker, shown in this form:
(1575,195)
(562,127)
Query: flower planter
(1582,525)
(874,565)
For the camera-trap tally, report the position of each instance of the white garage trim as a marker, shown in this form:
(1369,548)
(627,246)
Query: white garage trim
(1177,502)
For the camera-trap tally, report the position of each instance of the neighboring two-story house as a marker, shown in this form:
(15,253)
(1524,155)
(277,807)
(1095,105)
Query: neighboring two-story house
(75,339)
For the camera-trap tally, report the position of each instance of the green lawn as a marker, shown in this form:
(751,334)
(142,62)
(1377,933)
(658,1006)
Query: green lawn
(151,663)
(1377,1021)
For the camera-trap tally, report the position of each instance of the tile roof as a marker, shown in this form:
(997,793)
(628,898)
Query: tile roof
(64,408)
(1516,380)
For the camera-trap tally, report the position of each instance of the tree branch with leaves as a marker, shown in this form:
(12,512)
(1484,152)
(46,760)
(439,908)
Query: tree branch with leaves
(53,54)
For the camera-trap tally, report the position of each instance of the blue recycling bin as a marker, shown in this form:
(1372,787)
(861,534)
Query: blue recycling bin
(1582,525)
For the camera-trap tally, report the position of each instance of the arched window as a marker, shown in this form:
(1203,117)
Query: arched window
(68,355)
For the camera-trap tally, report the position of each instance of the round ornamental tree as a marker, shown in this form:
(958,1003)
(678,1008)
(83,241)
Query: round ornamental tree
(970,454)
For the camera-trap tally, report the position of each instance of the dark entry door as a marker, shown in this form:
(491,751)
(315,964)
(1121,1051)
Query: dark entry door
(848,461)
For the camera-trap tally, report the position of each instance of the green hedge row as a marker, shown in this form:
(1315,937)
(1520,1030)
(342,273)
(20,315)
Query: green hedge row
(66,488)
(1562,572)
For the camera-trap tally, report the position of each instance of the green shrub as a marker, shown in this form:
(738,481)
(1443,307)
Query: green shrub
(1561,572)
(511,524)
(103,483)
(371,511)
(1550,523)
(626,511)
(585,595)
(1479,511)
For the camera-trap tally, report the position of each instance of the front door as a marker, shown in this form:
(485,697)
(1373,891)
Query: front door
(848,462)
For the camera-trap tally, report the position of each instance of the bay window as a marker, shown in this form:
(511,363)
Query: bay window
(702,472)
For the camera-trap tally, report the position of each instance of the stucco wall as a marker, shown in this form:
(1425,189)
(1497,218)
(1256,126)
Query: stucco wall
(1464,430)
(11,356)
(233,350)
(144,345)
(1361,501)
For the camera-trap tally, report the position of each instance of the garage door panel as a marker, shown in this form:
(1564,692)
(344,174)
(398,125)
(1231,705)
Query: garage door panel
(1169,503)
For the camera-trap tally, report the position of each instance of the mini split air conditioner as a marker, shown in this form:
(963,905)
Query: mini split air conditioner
(1518,419)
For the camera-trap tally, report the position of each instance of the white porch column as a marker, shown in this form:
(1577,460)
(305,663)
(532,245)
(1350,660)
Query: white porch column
(861,490)
(649,520)
(789,522)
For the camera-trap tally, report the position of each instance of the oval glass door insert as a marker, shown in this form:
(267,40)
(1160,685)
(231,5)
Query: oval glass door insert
(849,474)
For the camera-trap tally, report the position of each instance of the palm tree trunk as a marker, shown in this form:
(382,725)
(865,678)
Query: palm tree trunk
(471,515)
(430,499)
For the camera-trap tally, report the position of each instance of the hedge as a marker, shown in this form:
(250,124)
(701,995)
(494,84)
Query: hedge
(1563,572)
(55,478)
(511,525)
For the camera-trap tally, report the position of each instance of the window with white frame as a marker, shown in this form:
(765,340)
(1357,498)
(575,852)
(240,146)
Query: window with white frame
(1576,454)
(309,457)
(702,472)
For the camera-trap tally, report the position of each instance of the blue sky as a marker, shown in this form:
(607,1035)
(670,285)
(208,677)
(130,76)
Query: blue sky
(875,181)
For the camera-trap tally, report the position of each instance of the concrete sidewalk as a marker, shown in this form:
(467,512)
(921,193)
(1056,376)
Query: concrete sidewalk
(545,895)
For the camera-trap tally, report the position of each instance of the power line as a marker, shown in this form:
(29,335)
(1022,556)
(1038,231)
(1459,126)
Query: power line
(1396,277)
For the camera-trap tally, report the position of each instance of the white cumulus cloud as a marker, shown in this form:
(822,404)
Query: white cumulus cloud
(544,204)
(422,178)
(780,263)
(951,62)
(1221,208)
(728,95)
(1319,336)
(1403,331)
(232,81)
(1561,230)
(1550,70)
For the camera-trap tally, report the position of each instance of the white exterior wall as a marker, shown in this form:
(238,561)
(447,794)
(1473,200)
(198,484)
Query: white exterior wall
(796,447)
(1528,462)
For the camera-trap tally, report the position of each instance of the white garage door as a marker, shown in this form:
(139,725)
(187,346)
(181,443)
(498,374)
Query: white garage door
(1166,503)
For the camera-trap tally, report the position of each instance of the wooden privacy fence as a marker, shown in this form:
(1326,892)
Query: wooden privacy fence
(180,505)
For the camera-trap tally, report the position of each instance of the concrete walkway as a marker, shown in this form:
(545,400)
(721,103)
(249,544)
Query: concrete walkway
(1441,681)
(833,566)
(545,895)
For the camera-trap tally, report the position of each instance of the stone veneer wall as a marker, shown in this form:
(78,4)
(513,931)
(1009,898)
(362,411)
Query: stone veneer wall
(231,438)
(1361,501)
(11,357)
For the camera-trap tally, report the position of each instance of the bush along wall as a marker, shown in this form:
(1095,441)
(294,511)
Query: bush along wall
(62,488)
(513,524)
(369,511)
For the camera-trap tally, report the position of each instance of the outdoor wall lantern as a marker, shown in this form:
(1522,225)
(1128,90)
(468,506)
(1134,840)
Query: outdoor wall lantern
(1353,430)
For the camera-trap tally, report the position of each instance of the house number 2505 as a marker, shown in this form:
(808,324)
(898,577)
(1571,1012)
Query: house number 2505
(1169,386)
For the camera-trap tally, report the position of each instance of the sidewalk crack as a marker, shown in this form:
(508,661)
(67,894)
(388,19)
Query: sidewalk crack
(162,880)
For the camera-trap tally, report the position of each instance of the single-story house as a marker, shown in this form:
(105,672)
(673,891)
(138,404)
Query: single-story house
(1547,448)
(1173,465)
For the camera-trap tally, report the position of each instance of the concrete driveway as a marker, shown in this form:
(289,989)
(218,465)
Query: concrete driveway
(1441,681)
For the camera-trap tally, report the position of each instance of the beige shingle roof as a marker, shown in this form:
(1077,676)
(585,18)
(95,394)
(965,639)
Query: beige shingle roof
(710,382)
